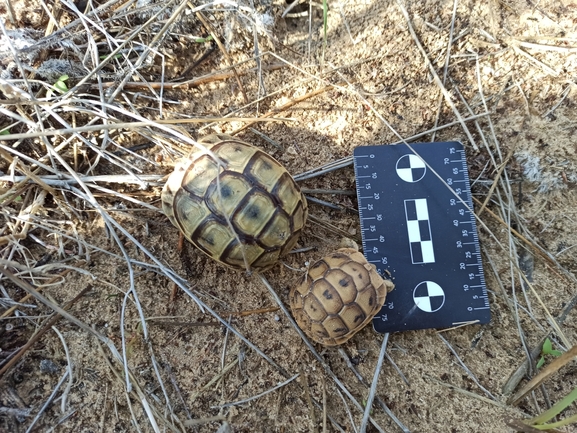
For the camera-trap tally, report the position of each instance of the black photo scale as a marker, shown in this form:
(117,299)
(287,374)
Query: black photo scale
(417,224)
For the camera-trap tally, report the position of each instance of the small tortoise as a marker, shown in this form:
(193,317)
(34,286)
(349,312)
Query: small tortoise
(338,296)
(247,213)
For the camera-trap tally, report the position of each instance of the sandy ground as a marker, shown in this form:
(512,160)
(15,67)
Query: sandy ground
(523,56)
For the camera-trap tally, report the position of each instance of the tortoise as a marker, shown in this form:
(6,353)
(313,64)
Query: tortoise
(246,213)
(338,296)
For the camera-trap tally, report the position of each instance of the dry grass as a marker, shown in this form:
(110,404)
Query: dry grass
(99,310)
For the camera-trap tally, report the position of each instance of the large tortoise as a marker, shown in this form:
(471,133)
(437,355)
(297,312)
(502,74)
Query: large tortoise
(242,209)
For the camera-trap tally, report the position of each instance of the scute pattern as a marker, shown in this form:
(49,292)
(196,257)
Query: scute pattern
(338,296)
(250,192)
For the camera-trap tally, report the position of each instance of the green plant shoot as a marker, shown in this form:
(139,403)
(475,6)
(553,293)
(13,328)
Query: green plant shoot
(203,40)
(547,350)
(59,86)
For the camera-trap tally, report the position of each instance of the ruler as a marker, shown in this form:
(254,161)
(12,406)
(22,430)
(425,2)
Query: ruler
(418,227)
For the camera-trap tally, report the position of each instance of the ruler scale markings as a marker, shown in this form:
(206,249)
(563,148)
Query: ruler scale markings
(420,240)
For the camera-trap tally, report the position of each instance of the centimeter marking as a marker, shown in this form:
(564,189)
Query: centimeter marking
(476,244)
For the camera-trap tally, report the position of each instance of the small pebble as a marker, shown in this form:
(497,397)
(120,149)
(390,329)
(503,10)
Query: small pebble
(47,366)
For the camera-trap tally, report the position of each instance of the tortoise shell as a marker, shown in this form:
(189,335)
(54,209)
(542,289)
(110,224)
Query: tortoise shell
(338,296)
(246,213)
